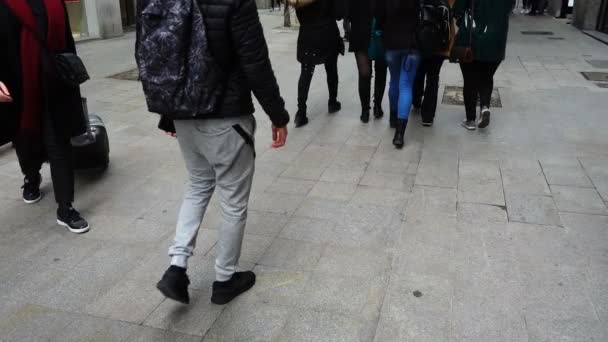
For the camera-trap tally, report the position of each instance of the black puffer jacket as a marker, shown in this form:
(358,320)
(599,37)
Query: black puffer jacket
(319,36)
(237,42)
(399,20)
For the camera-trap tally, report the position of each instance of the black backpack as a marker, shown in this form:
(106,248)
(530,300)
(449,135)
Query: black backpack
(434,29)
(180,77)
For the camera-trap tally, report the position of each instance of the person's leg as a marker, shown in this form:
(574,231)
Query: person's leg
(429,106)
(393,59)
(30,155)
(306,74)
(379,87)
(486,87)
(409,67)
(365,80)
(419,83)
(470,89)
(234,169)
(331,68)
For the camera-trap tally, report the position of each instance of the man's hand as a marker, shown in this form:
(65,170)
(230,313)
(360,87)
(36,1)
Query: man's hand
(279,136)
(5,95)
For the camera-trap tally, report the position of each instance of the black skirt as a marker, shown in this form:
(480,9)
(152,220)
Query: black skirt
(319,41)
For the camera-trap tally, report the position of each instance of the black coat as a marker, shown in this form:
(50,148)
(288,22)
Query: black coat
(399,20)
(237,42)
(63,103)
(319,36)
(360,14)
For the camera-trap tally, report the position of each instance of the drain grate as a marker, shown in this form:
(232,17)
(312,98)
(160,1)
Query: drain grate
(453,96)
(600,64)
(129,75)
(556,38)
(596,76)
(537,33)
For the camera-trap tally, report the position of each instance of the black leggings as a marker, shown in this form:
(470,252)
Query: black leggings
(364,64)
(31,155)
(308,70)
(425,95)
(478,84)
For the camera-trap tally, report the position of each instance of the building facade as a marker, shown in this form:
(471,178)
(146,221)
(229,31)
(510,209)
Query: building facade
(103,19)
(591,15)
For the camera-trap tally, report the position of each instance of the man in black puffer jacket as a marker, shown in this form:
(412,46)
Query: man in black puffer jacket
(218,148)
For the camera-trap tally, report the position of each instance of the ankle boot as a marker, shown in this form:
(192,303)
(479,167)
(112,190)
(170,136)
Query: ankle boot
(393,119)
(398,141)
(365,115)
(334,106)
(378,112)
(301,119)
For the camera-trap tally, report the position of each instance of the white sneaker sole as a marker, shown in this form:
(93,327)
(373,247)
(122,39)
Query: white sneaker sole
(469,128)
(75,231)
(34,201)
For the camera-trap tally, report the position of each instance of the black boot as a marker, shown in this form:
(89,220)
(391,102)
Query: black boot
(398,141)
(365,115)
(301,119)
(378,112)
(334,106)
(226,291)
(174,284)
(393,120)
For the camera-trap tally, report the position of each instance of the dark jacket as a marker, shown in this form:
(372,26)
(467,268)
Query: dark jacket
(491,28)
(64,104)
(319,36)
(237,42)
(360,14)
(399,20)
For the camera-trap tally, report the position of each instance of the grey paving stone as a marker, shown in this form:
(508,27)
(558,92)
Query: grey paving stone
(249,322)
(439,169)
(362,234)
(597,170)
(337,175)
(354,261)
(33,323)
(567,172)
(277,286)
(578,200)
(312,173)
(380,196)
(254,247)
(321,209)
(88,328)
(145,334)
(434,231)
(523,176)
(25,281)
(291,186)
(315,326)
(480,182)
(429,201)
(129,300)
(265,224)
(276,203)
(293,255)
(333,191)
(353,157)
(542,329)
(309,229)
(533,209)
(141,230)
(113,258)
(193,319)
(481,215)
(588,233)
(201,271)
(358,296)
(397,181)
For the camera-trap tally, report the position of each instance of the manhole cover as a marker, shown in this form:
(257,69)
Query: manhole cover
(602,85)
(600,64)
(130,75)
(556,38)
(596,76)
(537,33)
(453,96)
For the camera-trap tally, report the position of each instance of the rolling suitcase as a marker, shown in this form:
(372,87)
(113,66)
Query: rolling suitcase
(92,149)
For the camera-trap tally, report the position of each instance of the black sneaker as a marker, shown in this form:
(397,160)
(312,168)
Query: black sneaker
(469,124)
(378,112)
(334,106)
(484,121)
(427,123)
(365,116)
(31,189)
(174,284)
(226,291)
(301,119)
(71,219)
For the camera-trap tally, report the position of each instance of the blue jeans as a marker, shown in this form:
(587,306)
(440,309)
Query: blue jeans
(402,65)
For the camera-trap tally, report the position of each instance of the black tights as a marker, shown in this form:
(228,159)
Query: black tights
(478,84)
(308,70)
(364,64)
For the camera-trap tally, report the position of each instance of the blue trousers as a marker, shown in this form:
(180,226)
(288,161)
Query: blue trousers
(402,65)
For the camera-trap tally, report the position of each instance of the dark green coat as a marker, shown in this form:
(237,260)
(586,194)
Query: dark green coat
(491,28)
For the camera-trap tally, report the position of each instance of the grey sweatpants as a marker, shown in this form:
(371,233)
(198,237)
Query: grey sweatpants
(216,154)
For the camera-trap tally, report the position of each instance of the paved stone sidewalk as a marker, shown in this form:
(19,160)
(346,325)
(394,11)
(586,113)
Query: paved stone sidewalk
(500,235)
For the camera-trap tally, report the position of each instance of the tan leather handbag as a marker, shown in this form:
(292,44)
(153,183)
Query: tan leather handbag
(300,3)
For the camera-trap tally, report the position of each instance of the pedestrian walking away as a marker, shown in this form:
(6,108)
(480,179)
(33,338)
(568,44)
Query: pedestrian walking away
(319,42)
(426,86)
(483,28)
(213,122)
(399,21)
(362,30)
(40,112)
